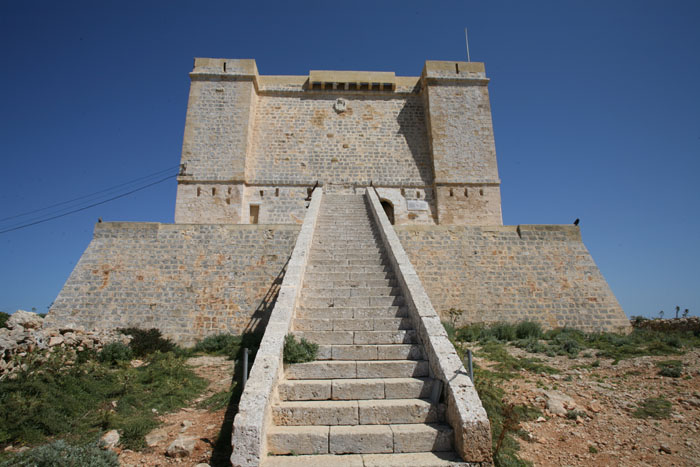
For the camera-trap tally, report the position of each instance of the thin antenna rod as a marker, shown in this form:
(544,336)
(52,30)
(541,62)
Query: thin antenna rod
(467,37)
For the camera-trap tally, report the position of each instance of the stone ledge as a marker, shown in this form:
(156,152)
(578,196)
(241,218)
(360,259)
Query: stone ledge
(253,418)
(465,414)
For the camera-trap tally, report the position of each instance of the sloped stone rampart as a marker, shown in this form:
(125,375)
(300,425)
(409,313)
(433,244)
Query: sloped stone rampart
(188,281)
(513,273)
(465,414)
(253,418)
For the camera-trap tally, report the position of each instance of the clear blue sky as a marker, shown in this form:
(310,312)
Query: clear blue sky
(596,108)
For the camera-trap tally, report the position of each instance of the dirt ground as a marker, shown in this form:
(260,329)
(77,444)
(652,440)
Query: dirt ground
(190,422)
(605,432)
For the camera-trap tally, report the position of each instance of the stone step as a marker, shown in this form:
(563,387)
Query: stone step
(350,324)
(340,369)
(420,459)
(359,337)
(371,352)
(312,291)
(354,269)
(355,389)
(348,276)
(346,233)
(337,312)
(371,261)
(359,439)
(347,249)
(319,283)
(356,412)
(359,302)
(340,259)
(346,252)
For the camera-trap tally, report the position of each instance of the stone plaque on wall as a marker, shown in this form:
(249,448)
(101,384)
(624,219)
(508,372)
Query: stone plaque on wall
(417,205)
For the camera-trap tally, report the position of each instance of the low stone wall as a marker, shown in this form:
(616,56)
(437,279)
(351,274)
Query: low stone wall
(465,413)
(513,273)
(253,417)
(671,324)
(189,281)
(26,333)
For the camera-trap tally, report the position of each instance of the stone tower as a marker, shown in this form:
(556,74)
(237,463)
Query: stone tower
(254,145)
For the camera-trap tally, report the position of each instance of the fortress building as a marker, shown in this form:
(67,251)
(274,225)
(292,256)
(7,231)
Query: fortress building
(255,147)
(356,210)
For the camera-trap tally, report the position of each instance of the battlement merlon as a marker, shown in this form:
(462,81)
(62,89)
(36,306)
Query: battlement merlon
(469,73)
(220,68)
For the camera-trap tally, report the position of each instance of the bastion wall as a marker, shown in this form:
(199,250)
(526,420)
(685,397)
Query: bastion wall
(189,281)
(542,273)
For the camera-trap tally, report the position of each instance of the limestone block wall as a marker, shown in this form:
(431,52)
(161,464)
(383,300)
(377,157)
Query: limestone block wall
(460,124)
(277,204)
(210,203)
(509,273)
(220,113)
(475,204)
(379,137)
(189,281)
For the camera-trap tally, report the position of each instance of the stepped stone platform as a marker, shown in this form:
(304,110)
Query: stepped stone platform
(368,392)
(375,394)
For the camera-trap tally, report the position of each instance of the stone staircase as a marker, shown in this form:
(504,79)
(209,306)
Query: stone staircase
(365,401)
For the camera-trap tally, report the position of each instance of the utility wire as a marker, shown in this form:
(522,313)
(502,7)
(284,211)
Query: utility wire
(89,206)
(131,182)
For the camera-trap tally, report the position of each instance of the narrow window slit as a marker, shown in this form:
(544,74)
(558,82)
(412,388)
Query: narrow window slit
(277,191)
(213,191)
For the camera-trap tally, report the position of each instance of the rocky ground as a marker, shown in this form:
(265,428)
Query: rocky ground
(188,437)
(595,402)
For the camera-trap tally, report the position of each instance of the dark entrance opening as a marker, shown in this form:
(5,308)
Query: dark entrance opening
(389,210)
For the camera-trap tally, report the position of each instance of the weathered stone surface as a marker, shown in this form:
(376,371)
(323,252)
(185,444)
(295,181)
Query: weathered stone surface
(109,440)
(24,319)
(316,413)
(354,389)
(559,403)
(181,447)
(361,439)
(302,390)
(420,438)
(298,440)
(389,411)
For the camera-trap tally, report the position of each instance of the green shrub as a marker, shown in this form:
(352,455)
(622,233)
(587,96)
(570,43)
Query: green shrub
(115,352)
(573,414)
(653,407)
(528,330)
(299,352)
(471,333)
(147,341)
(61,454)
(670,368)
(219,344)
(52,399)
(503,331)
(3,319)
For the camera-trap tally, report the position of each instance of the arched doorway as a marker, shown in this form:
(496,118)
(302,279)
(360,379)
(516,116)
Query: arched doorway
(389,210)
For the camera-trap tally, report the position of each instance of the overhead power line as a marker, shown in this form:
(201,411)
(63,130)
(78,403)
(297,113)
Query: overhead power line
(91,195)
(89,206)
